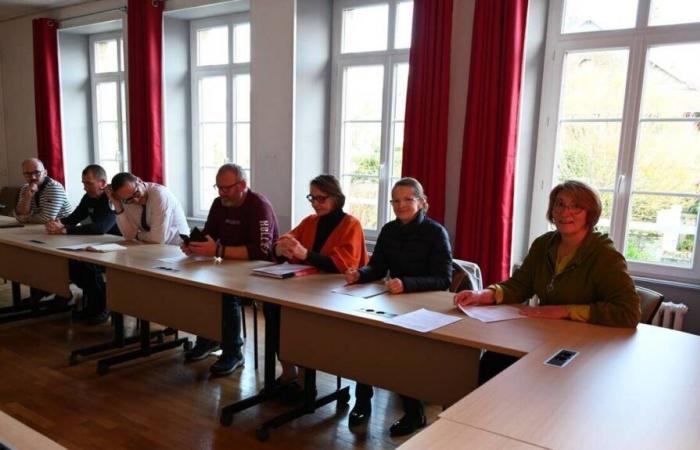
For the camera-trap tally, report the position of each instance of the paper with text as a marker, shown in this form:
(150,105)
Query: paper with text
(362,290)
(494,313)
(423,320)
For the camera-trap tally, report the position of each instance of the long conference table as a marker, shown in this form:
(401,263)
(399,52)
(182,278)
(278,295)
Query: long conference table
(625,389)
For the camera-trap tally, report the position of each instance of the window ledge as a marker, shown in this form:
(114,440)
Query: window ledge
(672,283)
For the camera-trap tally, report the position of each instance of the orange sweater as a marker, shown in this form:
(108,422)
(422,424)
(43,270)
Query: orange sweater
(345,245)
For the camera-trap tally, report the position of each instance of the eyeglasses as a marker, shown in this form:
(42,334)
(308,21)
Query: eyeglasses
(34,173)
(134,197)
(226,189)
(398,201)
(560,207)
(321,199)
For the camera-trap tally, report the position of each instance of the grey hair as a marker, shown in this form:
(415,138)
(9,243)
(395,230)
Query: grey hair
(235,169)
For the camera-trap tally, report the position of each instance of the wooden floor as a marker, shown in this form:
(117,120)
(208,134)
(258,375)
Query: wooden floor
(158,403)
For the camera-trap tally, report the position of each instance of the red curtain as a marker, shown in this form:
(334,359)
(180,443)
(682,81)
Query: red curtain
(427,100)
(485,214)
(47,97)
(145,49)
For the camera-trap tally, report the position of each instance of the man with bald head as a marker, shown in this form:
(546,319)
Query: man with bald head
(42,199)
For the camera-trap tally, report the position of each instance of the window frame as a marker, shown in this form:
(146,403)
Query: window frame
(118,77)
(638,41)
(388,59)
(229,70)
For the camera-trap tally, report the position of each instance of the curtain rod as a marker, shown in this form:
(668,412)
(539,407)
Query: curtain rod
(120,8)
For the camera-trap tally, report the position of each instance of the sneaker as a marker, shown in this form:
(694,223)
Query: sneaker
(226,364)
(407,425)
(201,350)
(99,319)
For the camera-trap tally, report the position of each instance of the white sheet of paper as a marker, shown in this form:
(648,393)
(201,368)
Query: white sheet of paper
(362,290)
(77,247)
(104,248)
(423,320)
(186,259)
(493,313)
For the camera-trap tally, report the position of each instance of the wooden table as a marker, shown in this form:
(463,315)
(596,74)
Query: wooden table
(16,435)
(445,434)
(626,389)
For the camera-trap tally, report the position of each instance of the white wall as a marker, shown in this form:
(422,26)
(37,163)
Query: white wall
(461,45)
(312,103)
(272,108)
(16,73)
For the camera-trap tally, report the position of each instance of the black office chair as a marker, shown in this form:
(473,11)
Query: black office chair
(650,301)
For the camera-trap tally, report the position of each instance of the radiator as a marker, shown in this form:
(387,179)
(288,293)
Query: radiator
(670,315)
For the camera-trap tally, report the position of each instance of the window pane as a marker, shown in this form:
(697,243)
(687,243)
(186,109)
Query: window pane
(365,28)
(212,99)
(361,144)
(242,133)
(397,151)
(594,84)
(672,82)
(106,56)
(212,46)
(668,157)
(669,12)
(108,138)
(662,229)
(597,15)
(404,22)
(364,86)
(106,101)
(241,43)
(212,141)
(401,82)
(362,194)
(207,194)
(111,167)
(241,89)
(588,152)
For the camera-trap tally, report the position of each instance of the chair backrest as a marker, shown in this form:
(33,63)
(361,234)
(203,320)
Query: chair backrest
(649,302)
(8,197)
(465,276)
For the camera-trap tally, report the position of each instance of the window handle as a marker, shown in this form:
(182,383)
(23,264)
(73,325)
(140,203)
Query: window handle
(620,183)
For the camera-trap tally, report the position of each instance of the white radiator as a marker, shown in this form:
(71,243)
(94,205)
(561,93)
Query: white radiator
(670,315)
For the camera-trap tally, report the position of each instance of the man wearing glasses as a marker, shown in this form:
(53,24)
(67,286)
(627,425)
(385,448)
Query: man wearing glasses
(41,199)
(147,212)
(241,225)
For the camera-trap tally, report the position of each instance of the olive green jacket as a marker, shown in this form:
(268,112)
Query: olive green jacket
(596,276)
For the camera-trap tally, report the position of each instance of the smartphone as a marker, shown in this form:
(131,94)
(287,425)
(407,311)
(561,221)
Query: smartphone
(197,236)
(185,239)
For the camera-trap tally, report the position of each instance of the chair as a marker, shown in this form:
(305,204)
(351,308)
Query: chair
(650,301)
(8,198)
(465,276)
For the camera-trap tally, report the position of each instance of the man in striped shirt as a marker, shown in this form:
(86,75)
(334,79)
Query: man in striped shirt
(41,199)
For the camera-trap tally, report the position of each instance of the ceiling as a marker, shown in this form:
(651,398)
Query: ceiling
(10,9)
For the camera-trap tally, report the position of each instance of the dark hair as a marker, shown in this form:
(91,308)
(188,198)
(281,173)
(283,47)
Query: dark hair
(235,169)
(331,186)
(120,179)
(585,196)
(417,190)
(96,171)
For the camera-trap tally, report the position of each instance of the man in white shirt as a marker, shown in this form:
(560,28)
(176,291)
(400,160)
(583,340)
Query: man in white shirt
(147,212)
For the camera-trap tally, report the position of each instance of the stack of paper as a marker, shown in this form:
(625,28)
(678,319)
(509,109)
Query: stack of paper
(423,320)
(362,290)
(493,313)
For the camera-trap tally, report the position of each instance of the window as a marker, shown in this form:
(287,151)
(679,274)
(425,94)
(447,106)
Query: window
(626,119)
(108,102)
(370,60)
(220,67)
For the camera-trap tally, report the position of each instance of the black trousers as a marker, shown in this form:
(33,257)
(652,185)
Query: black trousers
(88,277)
(411,406)
(231,340)
(492,363)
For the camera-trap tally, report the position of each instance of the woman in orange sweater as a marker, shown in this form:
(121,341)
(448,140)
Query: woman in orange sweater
(329,240)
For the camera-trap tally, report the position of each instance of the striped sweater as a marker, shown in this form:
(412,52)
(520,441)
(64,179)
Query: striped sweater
(49,203)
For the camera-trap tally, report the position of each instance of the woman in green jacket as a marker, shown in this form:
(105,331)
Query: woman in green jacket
(576,272)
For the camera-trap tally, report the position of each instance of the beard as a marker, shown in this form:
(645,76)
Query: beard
(227,202)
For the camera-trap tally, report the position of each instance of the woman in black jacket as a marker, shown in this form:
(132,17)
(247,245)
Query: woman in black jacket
(415,252)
